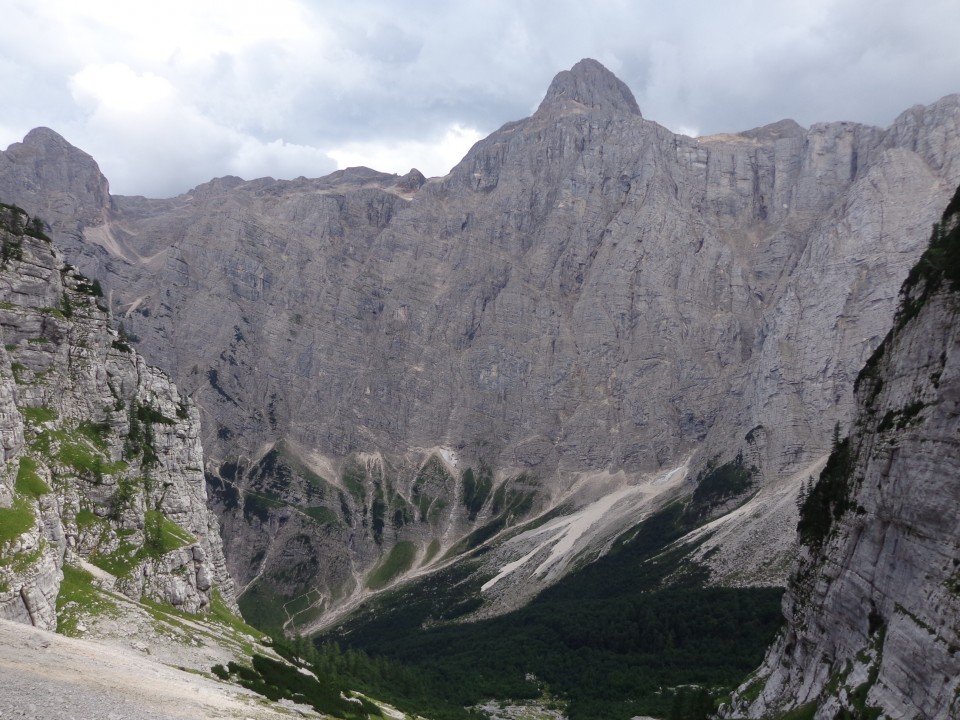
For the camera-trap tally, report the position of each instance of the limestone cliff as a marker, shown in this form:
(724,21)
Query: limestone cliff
(101,454)
(873,608)
(584,290)
(585,295)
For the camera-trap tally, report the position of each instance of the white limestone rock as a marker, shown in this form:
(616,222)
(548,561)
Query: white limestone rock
(874,611)
(108,441)
(585,291)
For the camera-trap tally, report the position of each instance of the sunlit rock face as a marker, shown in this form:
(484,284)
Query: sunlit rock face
(586,292)
(873,608)
(102,459)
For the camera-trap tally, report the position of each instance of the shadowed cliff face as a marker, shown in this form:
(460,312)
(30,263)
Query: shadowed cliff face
(584,291)
(873,608)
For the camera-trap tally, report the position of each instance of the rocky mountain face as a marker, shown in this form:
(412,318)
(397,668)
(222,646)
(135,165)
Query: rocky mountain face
(102,461)
(873,608)
(392,371)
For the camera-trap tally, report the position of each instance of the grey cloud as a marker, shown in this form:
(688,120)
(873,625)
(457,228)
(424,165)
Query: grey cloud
(386,43)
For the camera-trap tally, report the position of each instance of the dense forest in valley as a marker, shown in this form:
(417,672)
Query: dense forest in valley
(637,632)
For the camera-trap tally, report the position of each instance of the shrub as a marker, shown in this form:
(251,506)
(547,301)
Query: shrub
(162,535)
(829,498)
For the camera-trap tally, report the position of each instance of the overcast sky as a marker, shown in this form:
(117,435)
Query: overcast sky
(166,95)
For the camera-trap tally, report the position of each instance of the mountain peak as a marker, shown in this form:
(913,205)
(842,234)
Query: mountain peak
(589,83)
(44,136)
(49,144)
(49,177)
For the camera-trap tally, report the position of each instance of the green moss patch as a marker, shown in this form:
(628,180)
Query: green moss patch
(323,515)
(163,535)
(79,598)
(160,536)
(283,463)
(84,457)
(803,712)
(19,373)
(716,485)
(398,561)
(96,433)
(308,615)
(16,520)
(29,483)
(82,448)
(509,505)
(38,415)
(121,561)
(432,549)
(21,562)
(86,519)
(222,614)
(352,478)
(476,488)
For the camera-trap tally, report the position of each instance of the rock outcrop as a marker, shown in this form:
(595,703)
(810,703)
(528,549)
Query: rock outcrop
(873,608)
(585,292)
(102,459)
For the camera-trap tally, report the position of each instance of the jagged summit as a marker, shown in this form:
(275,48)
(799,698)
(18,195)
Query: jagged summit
(46,137)
(412,181)
(54,178)
(51,146)
(775,131)
(589,83)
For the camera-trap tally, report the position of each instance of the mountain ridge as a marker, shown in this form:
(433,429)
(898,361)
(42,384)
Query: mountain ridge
(586,291)
(589,83)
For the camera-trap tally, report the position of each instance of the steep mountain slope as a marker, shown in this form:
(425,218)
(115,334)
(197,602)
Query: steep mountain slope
(586,302)
(101,454)
(105,533)
(873,608)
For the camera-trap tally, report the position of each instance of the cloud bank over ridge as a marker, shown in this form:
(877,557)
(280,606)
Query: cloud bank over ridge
(168,95)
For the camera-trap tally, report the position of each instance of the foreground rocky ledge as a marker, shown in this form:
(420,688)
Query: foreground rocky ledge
(45,675)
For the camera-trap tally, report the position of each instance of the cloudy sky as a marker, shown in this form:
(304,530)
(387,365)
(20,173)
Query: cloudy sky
(166,95)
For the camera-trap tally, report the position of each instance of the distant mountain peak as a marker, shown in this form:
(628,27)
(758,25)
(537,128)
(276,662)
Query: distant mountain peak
(46,137)
(54,179)
(590,84)
(775,131)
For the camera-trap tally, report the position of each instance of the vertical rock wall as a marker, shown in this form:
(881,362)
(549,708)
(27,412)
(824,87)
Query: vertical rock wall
(873,609)
(101,455)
